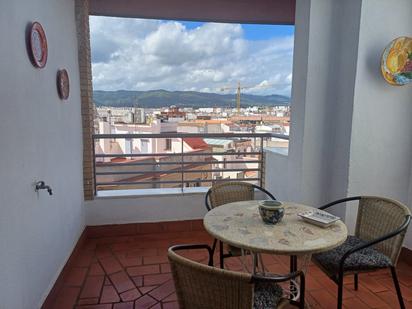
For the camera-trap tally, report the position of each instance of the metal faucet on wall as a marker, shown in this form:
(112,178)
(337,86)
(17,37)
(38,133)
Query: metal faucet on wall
(41,185)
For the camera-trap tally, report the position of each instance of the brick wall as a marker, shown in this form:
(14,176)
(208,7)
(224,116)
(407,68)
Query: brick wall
(86,90)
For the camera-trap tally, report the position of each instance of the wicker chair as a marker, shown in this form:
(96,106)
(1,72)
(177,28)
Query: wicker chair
(200,286)
(229,192)
(380,229)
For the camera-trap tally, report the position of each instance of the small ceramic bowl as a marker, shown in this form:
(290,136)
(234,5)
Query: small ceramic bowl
(271,211)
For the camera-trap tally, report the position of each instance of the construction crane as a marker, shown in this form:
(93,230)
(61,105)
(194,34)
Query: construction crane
(239,88)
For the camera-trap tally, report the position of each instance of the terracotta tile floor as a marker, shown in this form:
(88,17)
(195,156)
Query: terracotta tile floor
(133,272)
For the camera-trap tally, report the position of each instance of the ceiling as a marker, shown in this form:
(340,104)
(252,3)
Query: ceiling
(240,11)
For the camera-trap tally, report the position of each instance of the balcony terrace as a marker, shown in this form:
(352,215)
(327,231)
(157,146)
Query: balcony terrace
(126,267)
(90,246)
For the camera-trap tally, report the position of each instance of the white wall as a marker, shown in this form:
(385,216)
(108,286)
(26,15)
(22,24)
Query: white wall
(381,143)
(350,131)
(41,140)
(326,35)
(157,206)
(154,208)
(277,175)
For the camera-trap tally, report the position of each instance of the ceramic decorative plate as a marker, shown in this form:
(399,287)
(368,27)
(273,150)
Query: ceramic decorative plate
(37,45)
(63,85)
(396,62)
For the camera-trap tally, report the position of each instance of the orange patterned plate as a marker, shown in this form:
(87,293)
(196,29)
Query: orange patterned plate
(396,64)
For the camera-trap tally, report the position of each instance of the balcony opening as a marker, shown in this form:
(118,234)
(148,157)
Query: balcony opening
(182,104)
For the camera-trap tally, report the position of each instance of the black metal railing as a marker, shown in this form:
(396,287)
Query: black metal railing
(140,161)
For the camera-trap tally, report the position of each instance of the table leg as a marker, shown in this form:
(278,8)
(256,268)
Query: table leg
(294,286)
(293,268)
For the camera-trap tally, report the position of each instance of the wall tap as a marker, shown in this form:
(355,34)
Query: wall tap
(40,185)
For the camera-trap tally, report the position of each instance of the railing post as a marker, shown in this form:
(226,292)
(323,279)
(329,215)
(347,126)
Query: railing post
(182,164)
(262,165)
(94,164)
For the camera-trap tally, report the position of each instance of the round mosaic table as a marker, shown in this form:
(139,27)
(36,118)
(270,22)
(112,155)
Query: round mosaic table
(239,224)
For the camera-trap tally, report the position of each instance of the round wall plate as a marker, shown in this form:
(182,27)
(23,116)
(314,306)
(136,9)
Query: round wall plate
(396,64)
(37,45)
(63,84)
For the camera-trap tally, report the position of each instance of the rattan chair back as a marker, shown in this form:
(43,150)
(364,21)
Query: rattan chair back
(199,286)
(378,216)
(229,192)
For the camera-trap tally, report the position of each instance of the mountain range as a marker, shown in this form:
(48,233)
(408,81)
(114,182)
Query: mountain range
(163,98)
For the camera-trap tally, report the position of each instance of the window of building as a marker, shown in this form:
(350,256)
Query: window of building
(144,145)
(128,146)
(168,144)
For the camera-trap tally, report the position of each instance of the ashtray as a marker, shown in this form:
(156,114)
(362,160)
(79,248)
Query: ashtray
(319,217)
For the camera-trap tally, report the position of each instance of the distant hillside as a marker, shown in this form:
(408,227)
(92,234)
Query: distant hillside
(162,98)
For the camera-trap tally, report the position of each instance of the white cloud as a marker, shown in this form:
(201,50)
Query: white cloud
(136,54)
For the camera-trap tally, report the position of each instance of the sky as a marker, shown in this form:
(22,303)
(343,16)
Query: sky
(147,54)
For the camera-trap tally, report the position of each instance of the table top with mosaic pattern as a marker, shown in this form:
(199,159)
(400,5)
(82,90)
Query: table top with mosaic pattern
(239,224)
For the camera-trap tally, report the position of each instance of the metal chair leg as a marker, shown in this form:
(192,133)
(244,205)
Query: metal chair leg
(355,277)
(222,264)
(302,292)
(397,287)
(340,291)
(214,246)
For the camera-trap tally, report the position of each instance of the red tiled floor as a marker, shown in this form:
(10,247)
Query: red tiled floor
(130,261)
(84,259)
(76,276)
(132,272)
(88,301)
(355,303)
(130,295)
(165,268)
(147,289)
(155,259)
(172,305)
(110,265)
(145,302)
(106,306)
(163,290)
(128,305)
(156,279)
(109,295)
(138,280)
(92,287)
(143,270)
(67,297)
(122,282)
(96,270)
(171,297)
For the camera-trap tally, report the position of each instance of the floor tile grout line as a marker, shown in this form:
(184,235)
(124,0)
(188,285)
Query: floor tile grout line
(85,278)
(104,280)
(124,269)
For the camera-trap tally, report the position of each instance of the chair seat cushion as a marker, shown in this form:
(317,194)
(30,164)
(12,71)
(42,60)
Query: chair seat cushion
(267,295)
(362,260)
